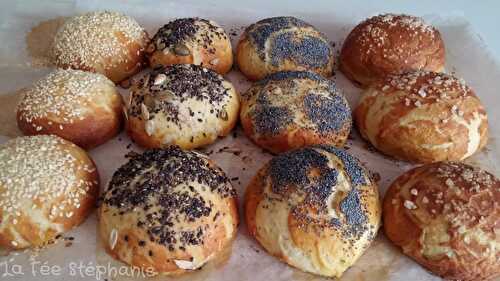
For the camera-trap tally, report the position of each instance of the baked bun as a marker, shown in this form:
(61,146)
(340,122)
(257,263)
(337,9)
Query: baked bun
(281,44)
(192,41)
(446,217)
(47,186)
(315,208)
(423,117)
(288,110)
(82,107)
(183,104)
(391,44)
(168,210)
(104,42)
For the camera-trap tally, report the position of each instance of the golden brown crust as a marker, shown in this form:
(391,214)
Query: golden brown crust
(294,109)
(63,195)
(390,44)
(294,45)
(445,216)
(178,223)
(314,208)
(191,41)
(423,117)
(81,107)
(103,42)
(191,112)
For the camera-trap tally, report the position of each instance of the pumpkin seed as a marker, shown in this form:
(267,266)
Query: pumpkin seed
(181,50)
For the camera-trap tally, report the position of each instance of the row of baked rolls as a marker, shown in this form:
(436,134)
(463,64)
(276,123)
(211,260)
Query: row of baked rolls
(168,210)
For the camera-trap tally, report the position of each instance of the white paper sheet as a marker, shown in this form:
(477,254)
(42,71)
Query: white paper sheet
(467,56)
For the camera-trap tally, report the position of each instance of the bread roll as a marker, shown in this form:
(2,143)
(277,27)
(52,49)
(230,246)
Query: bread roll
(104,42)
(82,107)
(293,109)
(446,216)
(47,186)
(183,104)
(168,210)
(391,44)
(423,117)
(314,208)
(280,44)
(192,41)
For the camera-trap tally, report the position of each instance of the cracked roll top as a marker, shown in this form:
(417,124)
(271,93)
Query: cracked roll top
(391,44)
(281,44)
(293,109)
(82,107)
(168,209)
(446,216)
(47,186)
(191,40)
(104,42)
(184,104)
(423,117)
(315,208)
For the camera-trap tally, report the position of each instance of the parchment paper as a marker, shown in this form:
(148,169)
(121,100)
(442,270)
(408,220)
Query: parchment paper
(26,27)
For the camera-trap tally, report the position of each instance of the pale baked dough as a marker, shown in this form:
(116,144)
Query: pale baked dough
(315,208)
(293,109)
(183,104)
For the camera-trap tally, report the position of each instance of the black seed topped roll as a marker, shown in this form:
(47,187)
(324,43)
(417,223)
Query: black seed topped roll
(184,104)
(313,207)
(283,43)
(191,40)
(292,109)
(169,209)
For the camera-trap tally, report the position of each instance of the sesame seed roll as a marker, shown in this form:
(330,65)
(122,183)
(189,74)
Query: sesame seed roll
(82,107)
(390,44)
(47,186)
(104,42)
(446,216)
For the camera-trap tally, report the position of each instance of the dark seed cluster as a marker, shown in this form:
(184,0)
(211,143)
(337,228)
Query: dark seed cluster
(175,34)
(180,82)
(330,114)
(310,50)
(306,171)
(150,181)
(287,75)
